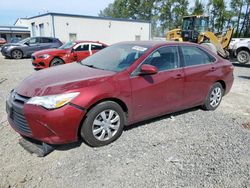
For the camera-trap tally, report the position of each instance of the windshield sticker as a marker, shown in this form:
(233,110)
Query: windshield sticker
(139,48)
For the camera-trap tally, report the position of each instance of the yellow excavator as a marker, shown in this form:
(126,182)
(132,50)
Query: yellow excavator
(195,29)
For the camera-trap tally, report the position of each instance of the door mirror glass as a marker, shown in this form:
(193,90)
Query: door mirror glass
(148,69)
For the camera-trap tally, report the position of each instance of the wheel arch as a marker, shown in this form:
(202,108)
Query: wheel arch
(116,100)
(223,84)
(56,57)
(242,48)
(19,49)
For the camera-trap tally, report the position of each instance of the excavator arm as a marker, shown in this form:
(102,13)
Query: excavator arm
(220,43)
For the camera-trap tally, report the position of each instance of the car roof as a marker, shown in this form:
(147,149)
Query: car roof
(88,41)
(44,37)
(152,43)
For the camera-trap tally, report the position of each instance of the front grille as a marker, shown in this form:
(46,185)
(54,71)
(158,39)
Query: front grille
(20,122)
(15,112)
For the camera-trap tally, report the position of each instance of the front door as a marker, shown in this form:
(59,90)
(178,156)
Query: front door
(33,45)
(81,51)
(153,95)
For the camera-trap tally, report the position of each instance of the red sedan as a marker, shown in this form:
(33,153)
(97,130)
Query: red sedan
(123,84)
(67,53)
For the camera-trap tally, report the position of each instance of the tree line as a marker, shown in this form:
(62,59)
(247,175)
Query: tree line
(167,14)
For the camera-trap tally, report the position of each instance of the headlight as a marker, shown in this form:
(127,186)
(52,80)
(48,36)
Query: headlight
(53,101)
(44,56)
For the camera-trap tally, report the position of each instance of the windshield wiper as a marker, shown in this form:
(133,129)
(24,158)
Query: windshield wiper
(91,66)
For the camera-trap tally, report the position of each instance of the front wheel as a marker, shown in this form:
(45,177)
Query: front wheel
(56,62)
(214,97)
(17,54)
(243,56)
(103,124)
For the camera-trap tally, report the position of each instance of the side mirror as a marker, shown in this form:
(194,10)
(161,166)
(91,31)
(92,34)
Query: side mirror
(72,50)
(148,69)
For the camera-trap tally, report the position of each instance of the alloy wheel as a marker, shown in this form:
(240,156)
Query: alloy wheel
(215,97)
(106,125)
(17,54)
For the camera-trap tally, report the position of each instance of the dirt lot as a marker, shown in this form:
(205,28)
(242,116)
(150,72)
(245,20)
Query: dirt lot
(192,148)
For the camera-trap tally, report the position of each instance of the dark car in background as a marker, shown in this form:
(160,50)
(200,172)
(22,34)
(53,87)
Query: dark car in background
(26,47)
(120,85)
(67,53)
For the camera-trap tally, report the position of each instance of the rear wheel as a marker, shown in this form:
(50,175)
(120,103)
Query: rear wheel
(214,97)
(243,56)
(17,54)
(56,62)
(103,124)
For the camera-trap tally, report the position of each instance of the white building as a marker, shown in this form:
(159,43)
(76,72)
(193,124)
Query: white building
(78,27)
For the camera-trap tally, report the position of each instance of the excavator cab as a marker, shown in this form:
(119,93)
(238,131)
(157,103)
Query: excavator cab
(192,26)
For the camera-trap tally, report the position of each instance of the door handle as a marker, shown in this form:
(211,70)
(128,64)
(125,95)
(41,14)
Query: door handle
(213,69)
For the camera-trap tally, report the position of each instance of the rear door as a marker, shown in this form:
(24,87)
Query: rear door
(46,43)
(156,94)
(198,72)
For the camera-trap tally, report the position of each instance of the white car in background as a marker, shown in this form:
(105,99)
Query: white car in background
(241,50)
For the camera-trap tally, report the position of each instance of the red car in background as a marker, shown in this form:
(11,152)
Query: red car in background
(67,53)
(2,41)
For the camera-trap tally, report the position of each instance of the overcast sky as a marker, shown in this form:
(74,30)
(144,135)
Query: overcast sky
(10,10)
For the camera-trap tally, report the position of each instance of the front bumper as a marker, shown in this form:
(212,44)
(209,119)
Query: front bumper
(58,126)
(5,52)
(40,63)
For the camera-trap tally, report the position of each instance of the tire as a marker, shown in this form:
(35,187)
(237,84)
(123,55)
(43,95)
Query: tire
(16,54)
(214,97)
(56,62)
(243,56)
(106,117)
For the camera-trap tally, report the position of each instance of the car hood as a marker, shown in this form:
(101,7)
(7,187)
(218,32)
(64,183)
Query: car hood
(61,79)
(13,44)
(49,51)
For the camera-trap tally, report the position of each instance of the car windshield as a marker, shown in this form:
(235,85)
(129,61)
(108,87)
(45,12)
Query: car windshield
(24,40)
(115,58)
(67,45)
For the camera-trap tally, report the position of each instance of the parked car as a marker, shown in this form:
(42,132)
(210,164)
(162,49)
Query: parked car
(241,50)
(120,85)
(2,41)
(67,53)
(26,47)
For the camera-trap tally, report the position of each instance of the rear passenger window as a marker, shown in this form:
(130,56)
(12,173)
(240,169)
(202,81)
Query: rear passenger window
(195,56)
(46,40)
(82,47)
(164,58)
(96,47)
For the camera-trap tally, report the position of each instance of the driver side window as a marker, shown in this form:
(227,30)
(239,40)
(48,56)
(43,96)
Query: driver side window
(33,41)
(165,58)
(82,47)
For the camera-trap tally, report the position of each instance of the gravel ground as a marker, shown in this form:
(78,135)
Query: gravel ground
(192,148)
